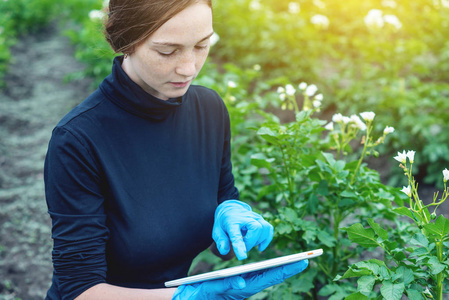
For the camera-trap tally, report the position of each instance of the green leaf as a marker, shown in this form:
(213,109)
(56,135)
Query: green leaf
(330,158)
(363,237)
(420,240)
(443,224)
(290,215)
(268,135)
(349,194)
(435,265)
(384,273)
(327,290)
(345,202)
(283,228)
(380,231)
(326,239)
(259,160)
(432,229)
(365,284)
(404,211)
(312,204)
(339,165)
(356,296)
(392,291)
(302,285)
(372,264)
(354,273)
(322,188)
(406,275)
(414,295)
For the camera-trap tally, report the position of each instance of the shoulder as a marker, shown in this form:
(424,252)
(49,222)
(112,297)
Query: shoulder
(88,106)
(204,93)
(81,121)
(206,97)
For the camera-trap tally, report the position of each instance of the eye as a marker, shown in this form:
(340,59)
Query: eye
(166,53)
(201,47)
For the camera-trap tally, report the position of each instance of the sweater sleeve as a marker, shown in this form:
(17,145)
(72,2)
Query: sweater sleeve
(227,189)
(75,204)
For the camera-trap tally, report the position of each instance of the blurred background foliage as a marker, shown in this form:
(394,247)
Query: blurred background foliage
(386,56)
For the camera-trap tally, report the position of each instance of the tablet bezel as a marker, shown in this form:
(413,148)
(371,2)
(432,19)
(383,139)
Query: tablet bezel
(250,267)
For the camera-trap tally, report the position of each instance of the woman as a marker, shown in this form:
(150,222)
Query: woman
(138,176)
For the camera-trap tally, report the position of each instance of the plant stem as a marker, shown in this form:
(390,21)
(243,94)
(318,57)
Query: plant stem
(440,276)
(365,146)
(337,220)
(289,180)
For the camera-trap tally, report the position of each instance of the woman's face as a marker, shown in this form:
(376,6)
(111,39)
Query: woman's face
(165,64)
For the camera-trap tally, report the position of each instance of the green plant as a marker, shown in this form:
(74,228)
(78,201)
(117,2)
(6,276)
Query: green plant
(415,260)
(310,189)
(21,17)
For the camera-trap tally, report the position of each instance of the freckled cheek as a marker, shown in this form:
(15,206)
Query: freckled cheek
(160,68)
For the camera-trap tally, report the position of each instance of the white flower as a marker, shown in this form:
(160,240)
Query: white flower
(374,19)
(411,155)
(282,96)
(302,86)
(290,90)
(316,103)
(294,8)
(389,3)
(320,21)
(281,90)
(346,120)
(402,157)
(393,20)
(257,67)
(319,97)
(446,175)
(368,115)
(255,5)
(319,4)
(337,118)
(96,15)
(329,126)
(407,191)
(232,98)
(359,124)
(311,90)
(388,130)
(214,39)
(232,84)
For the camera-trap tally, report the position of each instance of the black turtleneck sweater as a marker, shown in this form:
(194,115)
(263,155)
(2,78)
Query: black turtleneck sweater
(132,183)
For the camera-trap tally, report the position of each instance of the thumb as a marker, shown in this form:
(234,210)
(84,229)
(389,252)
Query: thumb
(235,282)
(221,240)
(294,268)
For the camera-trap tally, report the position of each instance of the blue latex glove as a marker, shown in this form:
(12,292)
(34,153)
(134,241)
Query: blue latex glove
(239,287)
(236,224)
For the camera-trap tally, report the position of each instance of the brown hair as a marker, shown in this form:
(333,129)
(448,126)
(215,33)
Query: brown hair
(130,22)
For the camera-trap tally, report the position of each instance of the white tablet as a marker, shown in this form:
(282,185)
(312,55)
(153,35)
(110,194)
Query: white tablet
(251,267)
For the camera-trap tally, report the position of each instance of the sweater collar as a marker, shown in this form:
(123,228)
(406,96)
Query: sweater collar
(124,92)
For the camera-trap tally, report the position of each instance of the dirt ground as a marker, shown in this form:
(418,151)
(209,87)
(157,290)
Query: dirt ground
(33,101)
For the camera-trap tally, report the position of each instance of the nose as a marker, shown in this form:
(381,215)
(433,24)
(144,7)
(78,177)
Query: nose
(187,64)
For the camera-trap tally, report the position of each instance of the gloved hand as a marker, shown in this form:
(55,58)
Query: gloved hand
(240,286)
(236,223)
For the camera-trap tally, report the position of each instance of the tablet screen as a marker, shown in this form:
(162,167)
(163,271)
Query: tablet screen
(251,267)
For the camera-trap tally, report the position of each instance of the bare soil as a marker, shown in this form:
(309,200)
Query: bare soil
(34,99)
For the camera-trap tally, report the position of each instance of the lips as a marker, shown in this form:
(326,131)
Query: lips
(180,84)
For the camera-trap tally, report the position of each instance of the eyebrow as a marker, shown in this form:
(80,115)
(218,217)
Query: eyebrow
(179,45)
